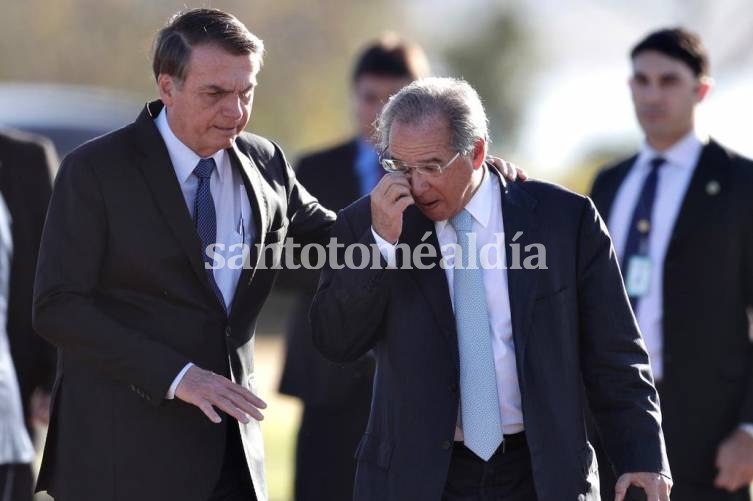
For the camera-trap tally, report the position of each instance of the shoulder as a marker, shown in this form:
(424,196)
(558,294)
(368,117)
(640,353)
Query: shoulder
(334,156)
(615,169)
(546,194)
(259,148)
(359,212)
(739,166)
(16,142)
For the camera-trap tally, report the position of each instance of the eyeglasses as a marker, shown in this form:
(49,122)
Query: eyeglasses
(426,169)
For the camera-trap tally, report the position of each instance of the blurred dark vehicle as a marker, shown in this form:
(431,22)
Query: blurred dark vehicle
(67,114)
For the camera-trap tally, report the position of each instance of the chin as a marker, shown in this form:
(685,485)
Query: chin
(435,215)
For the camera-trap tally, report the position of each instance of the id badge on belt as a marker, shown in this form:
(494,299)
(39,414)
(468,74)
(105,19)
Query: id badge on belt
(638,277)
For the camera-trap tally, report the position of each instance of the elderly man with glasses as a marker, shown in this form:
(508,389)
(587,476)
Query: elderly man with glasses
(484,371)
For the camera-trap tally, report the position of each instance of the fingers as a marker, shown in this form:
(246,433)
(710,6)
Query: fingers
(389,200)
(729,479)
(508,170)
(652,491)
(246,402)
(621,487)
(521,173)
(209,391)
(209,412)
(656,486)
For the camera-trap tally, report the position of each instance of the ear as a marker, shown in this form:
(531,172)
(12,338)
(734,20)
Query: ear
(704,87)
(479,153)
(166,86)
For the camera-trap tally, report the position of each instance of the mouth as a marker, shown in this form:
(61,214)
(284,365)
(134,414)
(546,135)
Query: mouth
(228,131)
(652,114)
(428,205)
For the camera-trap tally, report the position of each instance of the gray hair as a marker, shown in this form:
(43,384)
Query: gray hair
(450,98)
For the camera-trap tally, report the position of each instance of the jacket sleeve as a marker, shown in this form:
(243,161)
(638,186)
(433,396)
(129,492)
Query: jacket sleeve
(614,360)
(66,310)
(350,303)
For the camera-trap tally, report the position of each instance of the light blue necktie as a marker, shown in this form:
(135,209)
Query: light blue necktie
(205,217)
(479,404)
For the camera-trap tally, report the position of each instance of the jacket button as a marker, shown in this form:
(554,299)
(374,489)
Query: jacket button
(228,331)
(453,388)
(446,445)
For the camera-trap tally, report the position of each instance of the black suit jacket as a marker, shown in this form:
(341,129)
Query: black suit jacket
(27,163)
(328,175)
(122,291)
(571,324)
(707,389)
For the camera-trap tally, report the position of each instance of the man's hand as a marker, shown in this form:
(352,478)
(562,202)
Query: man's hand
(656,486)
(734,459)
(207,390)
(389,199)
(508,170)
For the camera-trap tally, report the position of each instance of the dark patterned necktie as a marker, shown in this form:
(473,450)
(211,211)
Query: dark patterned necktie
(205,218)
(640,223)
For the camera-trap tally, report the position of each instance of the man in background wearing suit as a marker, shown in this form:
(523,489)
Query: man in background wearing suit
(681,215)
(486,403)
(27,163)
(336,397)
(145,285)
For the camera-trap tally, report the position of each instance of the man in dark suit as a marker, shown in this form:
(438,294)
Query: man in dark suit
(27,163)
(681,215)
(486,403)
(147,286)
(336,397)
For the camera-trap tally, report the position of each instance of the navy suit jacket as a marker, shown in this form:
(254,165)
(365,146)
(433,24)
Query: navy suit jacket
(708,286)
(572,328)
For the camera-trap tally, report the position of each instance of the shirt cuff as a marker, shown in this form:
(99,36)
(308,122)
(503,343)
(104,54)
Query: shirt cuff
(747,428)
(171,391)
(388,250)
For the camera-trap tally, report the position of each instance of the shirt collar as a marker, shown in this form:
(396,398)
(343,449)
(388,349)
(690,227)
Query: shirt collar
(183,158)
(684,153)
(480,204)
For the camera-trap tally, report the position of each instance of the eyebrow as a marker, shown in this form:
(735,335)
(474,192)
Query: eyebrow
(424,161)
(662,76)
(220,89)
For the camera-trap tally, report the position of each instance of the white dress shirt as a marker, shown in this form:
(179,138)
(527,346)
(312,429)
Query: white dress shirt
(15,445)
(674,178)
(486,208)
(231,202)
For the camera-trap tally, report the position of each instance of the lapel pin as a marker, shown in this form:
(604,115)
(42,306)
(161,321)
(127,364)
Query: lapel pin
(643,226)
(713,188)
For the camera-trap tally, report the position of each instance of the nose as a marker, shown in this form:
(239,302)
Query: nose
(418,183)
(652,93)
(233,107)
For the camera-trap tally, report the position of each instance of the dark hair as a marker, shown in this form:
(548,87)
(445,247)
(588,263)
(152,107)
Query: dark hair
(677,43)
(393,57)
(187,29)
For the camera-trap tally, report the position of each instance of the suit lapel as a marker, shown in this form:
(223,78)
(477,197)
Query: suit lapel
(707,183)
(260,209)
(159,173)
(432,282)
(521,229)
(607,192)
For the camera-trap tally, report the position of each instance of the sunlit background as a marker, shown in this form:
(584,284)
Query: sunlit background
(553,76)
